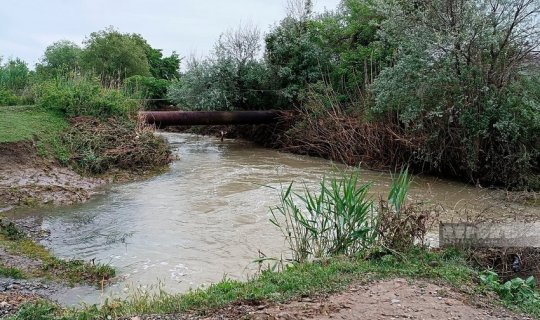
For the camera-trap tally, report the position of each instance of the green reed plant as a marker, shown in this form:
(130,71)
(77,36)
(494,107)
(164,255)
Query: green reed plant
(338,220)
(399,189)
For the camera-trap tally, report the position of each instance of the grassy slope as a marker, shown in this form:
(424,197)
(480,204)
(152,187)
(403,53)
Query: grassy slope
(24,122)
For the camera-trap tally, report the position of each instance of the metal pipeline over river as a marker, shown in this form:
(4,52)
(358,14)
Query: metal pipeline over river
(180,118)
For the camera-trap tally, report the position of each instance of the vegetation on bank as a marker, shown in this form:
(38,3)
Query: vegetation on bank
(325,258)
(445,87)
(48,266)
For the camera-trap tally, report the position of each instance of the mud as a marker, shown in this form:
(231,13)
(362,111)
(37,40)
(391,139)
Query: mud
(28,180)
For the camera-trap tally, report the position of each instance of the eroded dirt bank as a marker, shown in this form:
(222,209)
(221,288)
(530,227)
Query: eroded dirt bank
(28,180)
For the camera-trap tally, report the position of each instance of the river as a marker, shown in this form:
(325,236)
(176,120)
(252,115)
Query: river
(208,217)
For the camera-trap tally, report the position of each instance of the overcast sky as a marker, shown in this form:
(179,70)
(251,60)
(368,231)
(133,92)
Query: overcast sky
(188,27)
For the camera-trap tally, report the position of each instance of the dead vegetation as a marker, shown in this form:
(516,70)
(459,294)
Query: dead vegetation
(97,146)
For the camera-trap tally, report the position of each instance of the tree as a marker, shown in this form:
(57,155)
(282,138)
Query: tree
(114,56)
(167,68)
(458,81)
(232,78)
(14,74)
(60,57)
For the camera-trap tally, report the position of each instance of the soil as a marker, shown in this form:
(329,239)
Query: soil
(28,180)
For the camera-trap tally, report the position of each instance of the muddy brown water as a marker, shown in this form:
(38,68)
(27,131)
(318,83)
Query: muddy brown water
(208,217)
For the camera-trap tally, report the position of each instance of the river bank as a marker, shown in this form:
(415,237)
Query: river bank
(198,171)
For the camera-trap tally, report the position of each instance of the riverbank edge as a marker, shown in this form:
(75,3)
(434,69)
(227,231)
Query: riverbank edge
(208,309)
(314,281)
(31,176)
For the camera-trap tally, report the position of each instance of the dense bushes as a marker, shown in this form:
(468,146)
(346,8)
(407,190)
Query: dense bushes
(81,96)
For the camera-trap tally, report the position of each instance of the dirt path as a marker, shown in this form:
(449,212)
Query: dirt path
(394,299)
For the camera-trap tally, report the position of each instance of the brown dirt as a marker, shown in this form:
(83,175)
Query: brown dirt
(28,180)
(394,299)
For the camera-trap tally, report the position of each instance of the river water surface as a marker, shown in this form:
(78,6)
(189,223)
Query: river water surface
(208,217)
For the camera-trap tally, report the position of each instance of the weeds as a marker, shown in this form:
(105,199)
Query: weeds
(12,273)
(517,292)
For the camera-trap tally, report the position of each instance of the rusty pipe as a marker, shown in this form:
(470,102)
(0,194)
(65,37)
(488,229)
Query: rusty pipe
(191,118)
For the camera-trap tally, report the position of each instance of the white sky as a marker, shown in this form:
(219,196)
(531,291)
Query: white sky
(188,27)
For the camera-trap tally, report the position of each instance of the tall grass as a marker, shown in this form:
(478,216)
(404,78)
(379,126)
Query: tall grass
(338,220)
(342,218)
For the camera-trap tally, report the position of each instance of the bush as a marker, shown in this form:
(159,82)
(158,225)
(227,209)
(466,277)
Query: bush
(80,96)
(146,87)
(338,220)
(342,219)
(8,98)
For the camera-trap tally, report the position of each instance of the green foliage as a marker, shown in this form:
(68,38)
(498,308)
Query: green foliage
(59,58)
(167,68)
(82,96)
(114,56)
(8,98)
(456,81)
(295,60)
(14,75)
(230,79)
(41,310)
(517,292)
(146,87)
(338,220)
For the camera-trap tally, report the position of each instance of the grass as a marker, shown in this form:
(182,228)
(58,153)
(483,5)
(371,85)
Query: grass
(23,123)
(72,271)
(13,273)
(298,280)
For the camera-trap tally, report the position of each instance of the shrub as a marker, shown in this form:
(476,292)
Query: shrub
(8,98)
(146,87)
(341,219)
(338,220)
(81,96)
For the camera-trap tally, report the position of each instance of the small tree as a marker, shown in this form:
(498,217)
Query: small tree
(114,56)
(60,57)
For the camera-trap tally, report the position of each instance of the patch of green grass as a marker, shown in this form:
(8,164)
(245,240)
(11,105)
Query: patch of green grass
(26,122)
(10,272)
(40,310)
(73,271)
